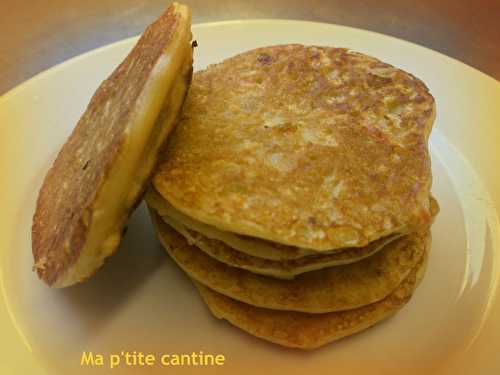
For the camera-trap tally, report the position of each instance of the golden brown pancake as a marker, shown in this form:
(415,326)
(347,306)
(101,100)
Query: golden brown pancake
(308,331)
(314,147)
(326,290)
(100,173)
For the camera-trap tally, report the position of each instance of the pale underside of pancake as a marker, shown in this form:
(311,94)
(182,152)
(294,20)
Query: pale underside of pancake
(309,331)
(326,290)
(249,245)
(314,147)
(286,269)
(255,247)
(101,171)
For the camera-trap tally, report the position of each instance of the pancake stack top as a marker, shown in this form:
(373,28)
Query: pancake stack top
(295,191)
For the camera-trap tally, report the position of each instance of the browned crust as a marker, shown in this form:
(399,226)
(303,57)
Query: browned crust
(66,199)
(308,331)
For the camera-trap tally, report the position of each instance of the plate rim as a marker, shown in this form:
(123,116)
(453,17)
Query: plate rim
(201,25)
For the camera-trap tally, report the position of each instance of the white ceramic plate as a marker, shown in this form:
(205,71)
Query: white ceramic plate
(141,301)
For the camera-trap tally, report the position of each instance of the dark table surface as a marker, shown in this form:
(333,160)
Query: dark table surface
(37,34)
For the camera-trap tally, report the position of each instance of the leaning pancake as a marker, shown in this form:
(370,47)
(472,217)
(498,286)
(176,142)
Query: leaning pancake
(330,289)
(99,174)
(286,269)
(315,147)
(308,331)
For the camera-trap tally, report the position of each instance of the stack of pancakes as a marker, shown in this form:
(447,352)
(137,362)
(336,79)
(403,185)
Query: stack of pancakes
(295,191)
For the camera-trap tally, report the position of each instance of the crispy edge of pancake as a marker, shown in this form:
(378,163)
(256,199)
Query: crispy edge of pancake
(286,269)
(228,187)
(253,247)
(75,227)
(250,245)
(309,331)
(327,290)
